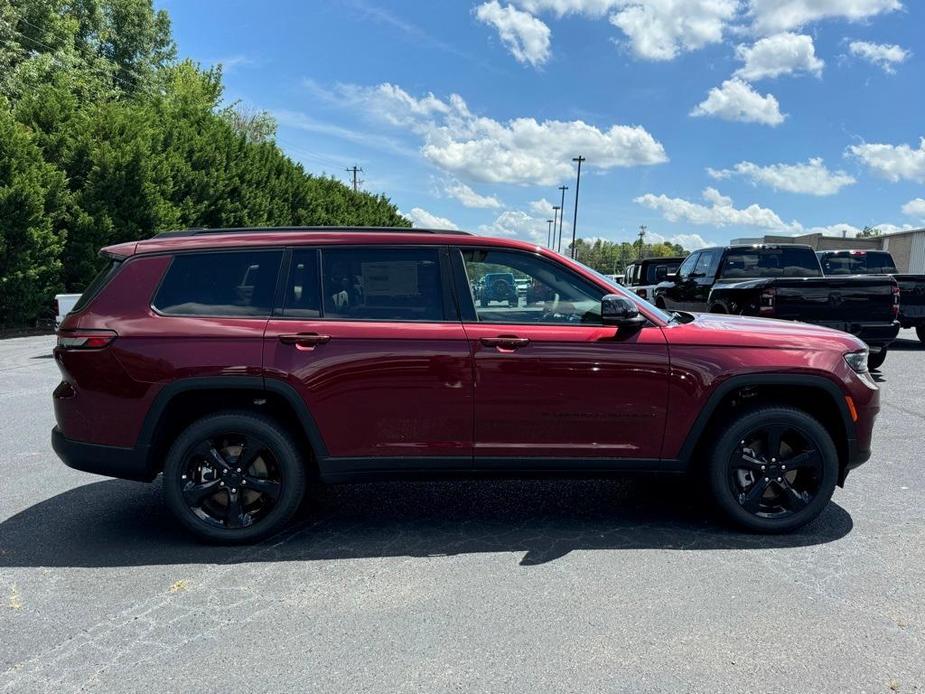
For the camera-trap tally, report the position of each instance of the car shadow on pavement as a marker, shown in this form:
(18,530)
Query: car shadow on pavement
(117,523)
(901,345)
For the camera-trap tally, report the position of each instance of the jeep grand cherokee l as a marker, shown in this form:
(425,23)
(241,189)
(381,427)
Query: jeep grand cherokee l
(241,363)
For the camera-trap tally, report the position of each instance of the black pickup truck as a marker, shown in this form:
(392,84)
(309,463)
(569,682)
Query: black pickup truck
(911,287)
(785,281)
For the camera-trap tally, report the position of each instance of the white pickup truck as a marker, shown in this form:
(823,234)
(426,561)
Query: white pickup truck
(64,304)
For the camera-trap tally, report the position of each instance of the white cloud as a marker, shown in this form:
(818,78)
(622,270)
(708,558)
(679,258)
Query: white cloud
(721,212)
(422,219)
(522,150)
(781,54)
(811,178)
(850,231)
(542,207)
(468,197)
(517,223)
(735,100)
(915,208)
(661,29)
(526,37)
(883,55)
(691,242)
(594,9)
(893,162)
(769,16)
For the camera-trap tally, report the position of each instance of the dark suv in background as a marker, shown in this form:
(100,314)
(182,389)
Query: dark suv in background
(241,363)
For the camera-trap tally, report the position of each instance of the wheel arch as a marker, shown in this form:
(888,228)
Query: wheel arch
(818,396)
(180,403)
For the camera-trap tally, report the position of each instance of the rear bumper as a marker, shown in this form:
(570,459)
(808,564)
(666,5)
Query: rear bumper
(876,335)
(110,461)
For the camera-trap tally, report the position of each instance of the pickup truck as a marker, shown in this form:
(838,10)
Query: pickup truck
(643,275)
(64,304)
(911,287)
(785,281)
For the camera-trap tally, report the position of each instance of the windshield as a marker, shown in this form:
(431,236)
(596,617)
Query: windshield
(858,263)
(622,291)
(770,262)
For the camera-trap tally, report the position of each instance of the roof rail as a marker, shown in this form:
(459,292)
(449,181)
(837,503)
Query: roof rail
(196,231)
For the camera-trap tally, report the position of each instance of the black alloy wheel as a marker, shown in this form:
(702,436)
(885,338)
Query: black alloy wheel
(234,477)
(774,470)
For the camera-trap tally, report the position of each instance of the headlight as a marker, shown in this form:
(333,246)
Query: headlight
(857,361)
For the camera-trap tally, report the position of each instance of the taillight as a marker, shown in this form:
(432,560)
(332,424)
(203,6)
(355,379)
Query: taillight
(642,293)
(766,302)
(895,300)
(86,339)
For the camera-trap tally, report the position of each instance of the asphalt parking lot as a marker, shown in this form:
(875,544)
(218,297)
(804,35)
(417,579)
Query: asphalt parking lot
(626,585)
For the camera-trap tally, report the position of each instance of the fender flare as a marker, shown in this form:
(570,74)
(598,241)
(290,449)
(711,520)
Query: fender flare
(257,384)
(745,380)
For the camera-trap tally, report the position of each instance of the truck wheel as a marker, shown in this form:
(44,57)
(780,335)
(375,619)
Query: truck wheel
(875,359)
(660,303)
(773,470)
(718,308)
(234,477)
(920,331)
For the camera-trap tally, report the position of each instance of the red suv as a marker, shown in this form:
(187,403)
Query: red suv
(242,363)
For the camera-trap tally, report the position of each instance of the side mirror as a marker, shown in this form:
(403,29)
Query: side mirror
(621,312)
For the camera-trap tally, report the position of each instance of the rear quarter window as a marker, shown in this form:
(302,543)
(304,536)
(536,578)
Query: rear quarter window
(234,283)
(96,285)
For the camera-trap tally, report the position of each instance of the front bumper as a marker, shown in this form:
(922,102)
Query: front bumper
(110,461)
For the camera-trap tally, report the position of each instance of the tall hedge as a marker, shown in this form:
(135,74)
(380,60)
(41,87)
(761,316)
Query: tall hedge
(106,137)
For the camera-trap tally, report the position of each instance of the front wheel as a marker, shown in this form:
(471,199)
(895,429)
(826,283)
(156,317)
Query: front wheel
(773,470)
(234,477)
(920,331)
(875,359)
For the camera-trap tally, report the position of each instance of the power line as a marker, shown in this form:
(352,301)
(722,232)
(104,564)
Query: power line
(561,215)
(555,217)
(354,170)
(579,159)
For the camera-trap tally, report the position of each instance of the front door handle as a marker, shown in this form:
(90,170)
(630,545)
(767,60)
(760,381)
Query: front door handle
(505,342)
(304,340)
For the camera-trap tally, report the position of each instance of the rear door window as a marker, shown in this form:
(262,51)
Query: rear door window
(382,284)
(302,298)
(233,283)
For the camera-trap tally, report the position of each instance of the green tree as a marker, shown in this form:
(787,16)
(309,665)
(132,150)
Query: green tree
(109,138)
(869,232)
(32,196)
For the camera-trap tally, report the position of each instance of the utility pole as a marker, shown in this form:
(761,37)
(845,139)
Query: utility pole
(561,215)
(642,238)
(579,159)
(555,217)
(549,224)
(355,170)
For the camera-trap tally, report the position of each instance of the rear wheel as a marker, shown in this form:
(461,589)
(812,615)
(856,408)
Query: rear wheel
(875,359)
(774,470)
(234,477)
(920,331)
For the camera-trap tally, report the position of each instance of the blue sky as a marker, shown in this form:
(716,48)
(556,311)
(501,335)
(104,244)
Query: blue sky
(702,119)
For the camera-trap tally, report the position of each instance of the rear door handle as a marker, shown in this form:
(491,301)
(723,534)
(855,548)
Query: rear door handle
(304,339)
(508,342)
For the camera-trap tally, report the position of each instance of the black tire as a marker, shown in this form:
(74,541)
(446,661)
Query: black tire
(718,308)
(875,359)
(660,303)
(920,331)
(783,499)
(271,479)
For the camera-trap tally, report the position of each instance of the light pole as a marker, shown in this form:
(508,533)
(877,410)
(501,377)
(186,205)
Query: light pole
(548,232)
(555,217)
(579,159)
(561,215)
